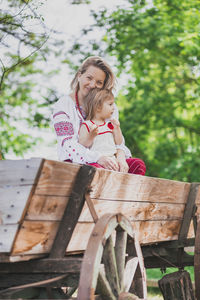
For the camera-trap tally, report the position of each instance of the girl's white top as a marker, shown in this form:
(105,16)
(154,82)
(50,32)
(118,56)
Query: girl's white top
(67,121)
(104,141)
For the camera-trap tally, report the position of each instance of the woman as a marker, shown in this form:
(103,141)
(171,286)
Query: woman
(68,116)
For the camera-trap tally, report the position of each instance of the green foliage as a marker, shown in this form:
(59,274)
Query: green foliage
(24,98)
(157,45)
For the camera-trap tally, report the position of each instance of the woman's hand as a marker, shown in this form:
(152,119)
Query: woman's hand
(108,163)
(121,159)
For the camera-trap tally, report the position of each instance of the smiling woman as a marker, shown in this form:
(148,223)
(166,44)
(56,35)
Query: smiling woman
(69,114)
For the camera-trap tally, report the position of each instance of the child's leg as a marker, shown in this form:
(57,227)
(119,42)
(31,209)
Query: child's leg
(136,166)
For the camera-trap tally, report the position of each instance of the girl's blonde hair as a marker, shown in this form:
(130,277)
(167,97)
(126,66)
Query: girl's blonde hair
(94,100)
(97,62)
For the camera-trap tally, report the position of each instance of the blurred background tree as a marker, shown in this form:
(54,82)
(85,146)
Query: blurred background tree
(26,46)
(157,45)
(154,49)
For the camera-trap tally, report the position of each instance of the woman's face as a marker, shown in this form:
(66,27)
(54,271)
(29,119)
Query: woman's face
(92,78)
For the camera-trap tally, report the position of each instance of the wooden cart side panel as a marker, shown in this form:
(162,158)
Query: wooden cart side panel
(57,178)
(7,235)
(45,212)
(19,172)
(13,201)
(135,211)
(46,208)
(17,183)
(35,237)
(118,186)
(148,232)
(154,206)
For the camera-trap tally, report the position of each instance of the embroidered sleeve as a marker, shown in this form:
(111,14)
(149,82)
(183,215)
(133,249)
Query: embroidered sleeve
(67,137)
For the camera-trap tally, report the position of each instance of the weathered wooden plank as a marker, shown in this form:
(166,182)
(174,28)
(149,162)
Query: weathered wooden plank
(45,265)
(44,207)
(13,202)
(16,258)
(56,178)
(19,172)
(80,237)
(134,211)
(15,279)
(198,195)
(147,232)
(7,234)
(113,185)
(35,237)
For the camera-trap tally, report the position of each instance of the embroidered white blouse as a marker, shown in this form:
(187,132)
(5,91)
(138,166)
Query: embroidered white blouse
(67,120)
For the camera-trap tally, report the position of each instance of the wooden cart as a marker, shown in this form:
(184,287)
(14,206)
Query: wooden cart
(65,226)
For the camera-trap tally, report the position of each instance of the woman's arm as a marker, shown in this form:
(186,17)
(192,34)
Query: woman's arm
(66,124)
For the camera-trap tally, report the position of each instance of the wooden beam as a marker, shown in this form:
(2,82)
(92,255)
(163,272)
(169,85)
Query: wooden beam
(44,265)
(72,211)
(188,212)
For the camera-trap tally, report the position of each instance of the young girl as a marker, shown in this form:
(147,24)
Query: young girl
(100,132)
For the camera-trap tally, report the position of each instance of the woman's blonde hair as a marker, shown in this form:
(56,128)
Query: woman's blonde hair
(97,62)
(94,100)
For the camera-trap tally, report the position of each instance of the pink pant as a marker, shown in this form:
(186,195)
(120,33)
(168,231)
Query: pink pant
(136,166)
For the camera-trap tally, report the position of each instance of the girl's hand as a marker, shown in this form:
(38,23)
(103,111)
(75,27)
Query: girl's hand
(94,130)
(108,163)
(115,123)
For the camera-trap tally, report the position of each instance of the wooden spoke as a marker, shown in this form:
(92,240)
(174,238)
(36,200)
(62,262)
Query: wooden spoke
(104,287)
(110,265)
(129,272)
(120,253)
(111,270)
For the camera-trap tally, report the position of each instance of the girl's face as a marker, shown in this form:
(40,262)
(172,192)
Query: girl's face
(107,109)
(92,78)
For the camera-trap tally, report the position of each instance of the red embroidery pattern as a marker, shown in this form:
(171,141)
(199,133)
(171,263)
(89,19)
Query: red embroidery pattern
(64,128)
(61,113)
(65,139)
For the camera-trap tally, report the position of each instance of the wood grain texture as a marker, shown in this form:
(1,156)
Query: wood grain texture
(7,235)
(13,202)
(116,186)
(35,237)
(44,207)
(19,172)
(147,232)
(198,196)
(135,211)
(56,178)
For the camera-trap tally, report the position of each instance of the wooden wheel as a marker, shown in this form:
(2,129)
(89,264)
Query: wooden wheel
(110,269)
